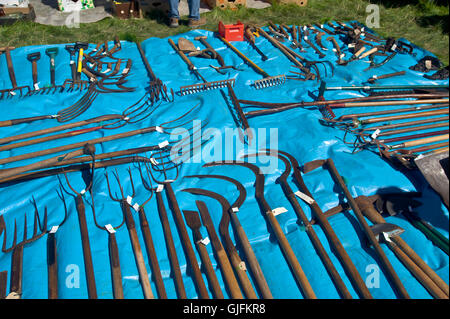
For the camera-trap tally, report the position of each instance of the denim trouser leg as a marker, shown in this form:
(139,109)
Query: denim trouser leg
(194,9)
(174,9)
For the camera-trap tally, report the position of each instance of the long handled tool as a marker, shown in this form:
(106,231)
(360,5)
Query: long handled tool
(84,232)
(275,226)
(251,39)
(268,80)
(147,235)
(421,270)
(230,249)
(335,243)
(231,215)
(290,195)
(392,275)
(12,77)
(16,279)
(195,88)
(129,221)
(3,283)
(33,58)
(52,254)
(172,253)
(52,53)
(193,221)
(113,248)
(179,222)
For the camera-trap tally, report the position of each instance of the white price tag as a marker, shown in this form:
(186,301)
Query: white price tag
(129,200)
(54,229)
(110,229)
(36,86)
(159,129)
(136,206)
(305,197)
(234,209)
(205,241)
(163,144)
(125,71)
(279,210)
(83,192)
(159,188)
(375,134)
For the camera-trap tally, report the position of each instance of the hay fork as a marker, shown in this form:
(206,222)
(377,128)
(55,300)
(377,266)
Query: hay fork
(113,249)
(180,224)
(17,248)
(125,203)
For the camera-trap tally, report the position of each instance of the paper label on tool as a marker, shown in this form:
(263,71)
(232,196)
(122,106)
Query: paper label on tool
(279,210)
(159,188)
(129,199)
(54,229)
(163,144)
(125,71)
(305,197)
(83,192)
(386,237)
(351,45)
(36,86)
(375,134)
(110,229)
(234,209)
(159,129)
(72,62)
(205,241)
(136,206)
(12,93)
(106,71)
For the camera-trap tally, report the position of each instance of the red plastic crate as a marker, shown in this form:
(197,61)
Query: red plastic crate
(232,32)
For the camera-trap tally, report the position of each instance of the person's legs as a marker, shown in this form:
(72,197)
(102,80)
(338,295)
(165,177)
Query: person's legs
(194,9)
(173,13)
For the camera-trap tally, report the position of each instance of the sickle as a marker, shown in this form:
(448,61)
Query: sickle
(276,228)
(239,230)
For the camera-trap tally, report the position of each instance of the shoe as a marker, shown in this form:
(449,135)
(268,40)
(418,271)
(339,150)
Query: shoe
(196,23)
(173,23)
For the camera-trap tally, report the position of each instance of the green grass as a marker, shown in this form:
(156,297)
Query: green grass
(423,22)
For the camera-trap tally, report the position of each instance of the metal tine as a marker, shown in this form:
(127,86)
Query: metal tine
(173,161)
(25,239)
(79,107)
(129,220)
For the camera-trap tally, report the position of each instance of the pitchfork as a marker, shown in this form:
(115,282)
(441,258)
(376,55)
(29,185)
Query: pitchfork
(114,259)
(139,258)
(17,248)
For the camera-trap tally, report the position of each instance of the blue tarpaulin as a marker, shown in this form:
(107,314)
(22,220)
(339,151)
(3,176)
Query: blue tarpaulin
(297,131)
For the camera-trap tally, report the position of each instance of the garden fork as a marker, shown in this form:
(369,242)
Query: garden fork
(17,248)
(139,258)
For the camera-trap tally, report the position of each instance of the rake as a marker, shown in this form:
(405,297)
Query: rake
(201,87)
(12,77)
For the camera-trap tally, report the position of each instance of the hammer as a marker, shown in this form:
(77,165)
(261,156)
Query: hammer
(80,47)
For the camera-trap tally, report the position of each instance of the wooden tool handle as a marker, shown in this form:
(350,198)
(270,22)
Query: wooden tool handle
(116,273)
(52,265)
(373,50)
